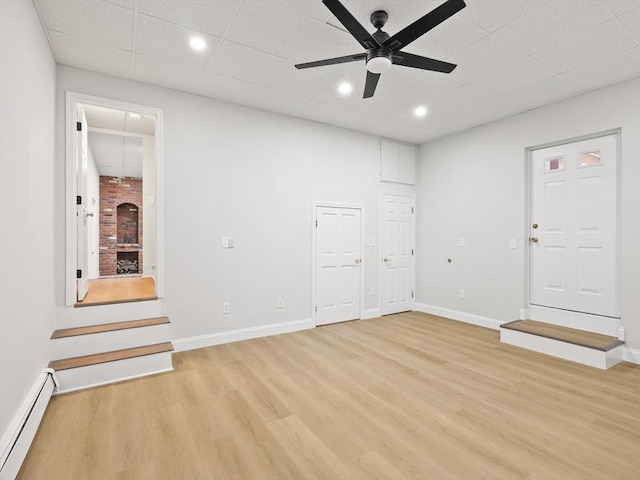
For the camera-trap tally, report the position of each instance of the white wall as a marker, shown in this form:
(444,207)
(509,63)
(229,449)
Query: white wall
(27,96)
(93,222)
(472,185)
(248,174)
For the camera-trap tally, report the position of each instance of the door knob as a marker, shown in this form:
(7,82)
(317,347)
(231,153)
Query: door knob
(358,261)
(534,239)
(90,214)
(535,225)
(385,259)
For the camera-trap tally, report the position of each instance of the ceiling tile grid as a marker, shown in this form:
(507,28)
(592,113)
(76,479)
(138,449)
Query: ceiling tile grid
(512,55)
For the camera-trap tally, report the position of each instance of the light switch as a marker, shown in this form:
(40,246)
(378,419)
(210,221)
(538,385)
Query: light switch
(512,243)
(225,242)
(373,241)
(367,242)
(461,242)
(231,242)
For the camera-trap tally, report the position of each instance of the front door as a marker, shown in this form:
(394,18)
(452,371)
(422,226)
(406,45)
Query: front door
(573,233)
(338,263)
(397,254)
(81,207)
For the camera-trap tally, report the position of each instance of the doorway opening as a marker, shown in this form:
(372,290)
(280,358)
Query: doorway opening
(114,200)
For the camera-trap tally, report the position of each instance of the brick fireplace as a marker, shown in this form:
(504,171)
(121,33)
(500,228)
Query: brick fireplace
(120,225)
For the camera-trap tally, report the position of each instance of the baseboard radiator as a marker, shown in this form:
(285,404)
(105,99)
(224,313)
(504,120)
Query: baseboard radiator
(18,437)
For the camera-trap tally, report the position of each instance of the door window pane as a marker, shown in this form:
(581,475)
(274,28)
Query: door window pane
(589,159)
(554,164)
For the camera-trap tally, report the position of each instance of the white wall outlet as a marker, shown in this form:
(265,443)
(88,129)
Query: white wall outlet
(461,294)
(226,308)
(512,243)
(225,242)
(373,291)
(231,242)
(461,242)
(279,303)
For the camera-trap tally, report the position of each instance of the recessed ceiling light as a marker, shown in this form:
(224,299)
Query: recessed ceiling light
(197,43)
(420,111)
(134,116)
(345,88)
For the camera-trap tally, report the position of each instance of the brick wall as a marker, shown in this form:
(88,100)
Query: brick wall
(115,192)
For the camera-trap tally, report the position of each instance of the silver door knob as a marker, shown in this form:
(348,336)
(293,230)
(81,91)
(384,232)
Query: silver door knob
(358,261)
(534,239)
(385,259)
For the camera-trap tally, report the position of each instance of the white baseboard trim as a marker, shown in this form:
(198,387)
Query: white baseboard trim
(370,313)
(460,316)
(631,355)
(219,338)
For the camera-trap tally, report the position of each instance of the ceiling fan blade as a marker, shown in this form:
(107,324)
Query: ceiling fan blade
(350,23)
(370,84)
(332,61)
(421,26)
(416,61)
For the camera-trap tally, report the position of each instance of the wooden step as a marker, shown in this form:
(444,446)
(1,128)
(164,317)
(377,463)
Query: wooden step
(596,341)
(76,362)
(108,327)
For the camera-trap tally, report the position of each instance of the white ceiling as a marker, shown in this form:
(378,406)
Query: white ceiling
(119,120)
(116,155)
(512,55)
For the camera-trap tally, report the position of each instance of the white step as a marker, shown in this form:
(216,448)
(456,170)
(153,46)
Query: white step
(69,317)
(79,345)
(564,349)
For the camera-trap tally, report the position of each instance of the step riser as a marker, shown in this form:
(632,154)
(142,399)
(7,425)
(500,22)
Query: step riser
(81,345)
(567,351)
(69,317)
(110,372)
(579,321)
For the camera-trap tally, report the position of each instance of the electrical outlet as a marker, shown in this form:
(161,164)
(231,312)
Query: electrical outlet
(461,294)
(279,303)
(226,308)
(373,291)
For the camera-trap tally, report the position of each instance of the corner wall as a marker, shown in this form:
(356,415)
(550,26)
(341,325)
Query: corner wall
(27,99)
(472,185)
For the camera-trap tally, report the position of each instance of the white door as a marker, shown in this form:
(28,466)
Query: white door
(573,234)
(397,254)
(338,264)
(81,207)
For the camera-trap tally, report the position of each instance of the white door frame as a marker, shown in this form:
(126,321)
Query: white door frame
(314,246)
(72,100)
(412,196)
(590,321)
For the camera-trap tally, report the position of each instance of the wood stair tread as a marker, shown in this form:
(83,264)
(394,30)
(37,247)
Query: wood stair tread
(86,360)
(582,338)
(108,327)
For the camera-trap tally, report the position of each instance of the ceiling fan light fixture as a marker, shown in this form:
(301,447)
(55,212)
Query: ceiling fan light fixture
(379,65)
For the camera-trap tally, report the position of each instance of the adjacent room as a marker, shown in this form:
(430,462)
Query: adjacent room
(329,239)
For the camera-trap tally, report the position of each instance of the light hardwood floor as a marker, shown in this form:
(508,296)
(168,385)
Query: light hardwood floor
(103,291)
(404,396)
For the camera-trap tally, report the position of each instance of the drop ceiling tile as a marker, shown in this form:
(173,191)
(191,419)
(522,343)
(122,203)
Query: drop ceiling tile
(426,86)
(238,61)
(311,8)
(491,15)
(483,57)
(170,43)
(270,27)
(631,22)
(552,23)
(128,4)
(322,112)
(461,98)
(202,15)
(332,96)
(517,76)
(619,7)
(541,93)
(250,94)
(591,46)
(76,52)
(305,83)
(446,39)
(154,71)
(617,68)
(93,20)
(390,81)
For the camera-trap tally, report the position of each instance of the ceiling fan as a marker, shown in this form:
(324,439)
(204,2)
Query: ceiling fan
(383,50)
